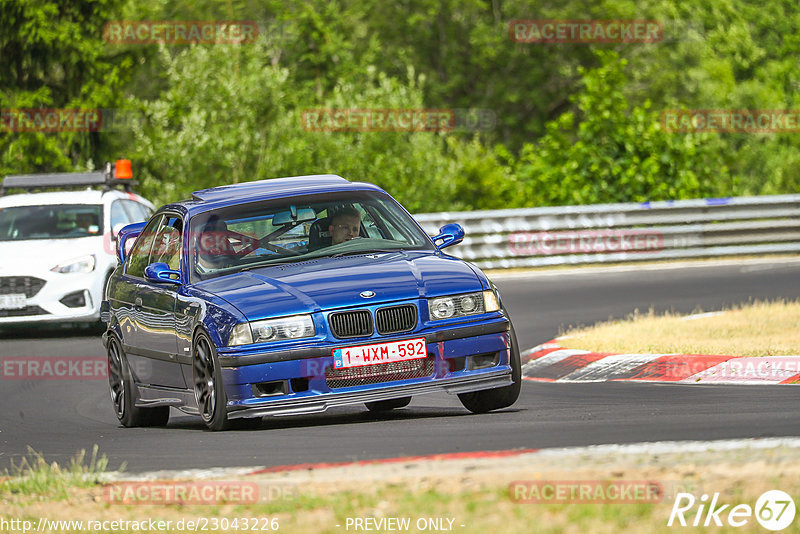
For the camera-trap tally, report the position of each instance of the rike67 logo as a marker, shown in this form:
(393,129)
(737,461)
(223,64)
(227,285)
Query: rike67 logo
(774,510)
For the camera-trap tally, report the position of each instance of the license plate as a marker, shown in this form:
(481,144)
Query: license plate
(15,301)
(393,351)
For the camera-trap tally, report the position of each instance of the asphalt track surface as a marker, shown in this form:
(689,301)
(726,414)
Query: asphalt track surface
(58,418)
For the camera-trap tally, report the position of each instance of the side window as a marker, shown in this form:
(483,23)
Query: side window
(167,247)
(137,212)
(138,258)
(119,217)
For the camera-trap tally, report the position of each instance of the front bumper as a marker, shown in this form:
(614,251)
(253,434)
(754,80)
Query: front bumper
(460,359)
(321,403)
(45,305)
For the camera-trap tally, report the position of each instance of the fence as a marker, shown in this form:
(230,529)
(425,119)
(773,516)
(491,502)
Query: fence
(604,233)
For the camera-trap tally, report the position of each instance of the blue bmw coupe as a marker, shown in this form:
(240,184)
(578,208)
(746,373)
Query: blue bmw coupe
(294,295)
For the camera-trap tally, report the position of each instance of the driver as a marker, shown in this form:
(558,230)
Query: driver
(86,222)
(345,225)
(214,248)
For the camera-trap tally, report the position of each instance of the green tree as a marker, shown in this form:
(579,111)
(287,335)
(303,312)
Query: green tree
(52,55)
(611,152)
(230,115)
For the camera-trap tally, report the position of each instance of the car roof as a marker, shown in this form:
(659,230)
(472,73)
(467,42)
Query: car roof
(86,196)
(245,192)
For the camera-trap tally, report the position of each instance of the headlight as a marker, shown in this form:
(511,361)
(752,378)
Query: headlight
(462,305)
(85,264)
(294,327)
(490,301)
(241,335)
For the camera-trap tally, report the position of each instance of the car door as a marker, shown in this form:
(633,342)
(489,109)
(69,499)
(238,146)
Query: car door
(157,336)
(123,290)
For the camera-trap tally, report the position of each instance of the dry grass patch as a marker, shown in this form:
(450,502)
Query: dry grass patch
(473,492)
(757,329)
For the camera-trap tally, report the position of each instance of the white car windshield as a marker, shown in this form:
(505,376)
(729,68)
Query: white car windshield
(58,221)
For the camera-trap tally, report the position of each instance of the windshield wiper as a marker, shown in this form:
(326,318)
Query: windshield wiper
(369,251)
(262,265)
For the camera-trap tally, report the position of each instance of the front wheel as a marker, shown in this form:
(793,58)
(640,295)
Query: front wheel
(122,388)
(495,399)
(208,388)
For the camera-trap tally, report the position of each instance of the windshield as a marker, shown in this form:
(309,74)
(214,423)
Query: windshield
(59,221)
(297,229)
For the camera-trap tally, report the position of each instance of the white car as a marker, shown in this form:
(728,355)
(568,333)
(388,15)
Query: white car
(57,249)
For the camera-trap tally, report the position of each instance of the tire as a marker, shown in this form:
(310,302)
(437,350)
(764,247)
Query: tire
(497,398)
(121,387)
(386,405)
(208,388)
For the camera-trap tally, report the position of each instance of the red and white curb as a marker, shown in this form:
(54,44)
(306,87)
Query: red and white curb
(463,462)
(472,455)
(404,462)
(550,362)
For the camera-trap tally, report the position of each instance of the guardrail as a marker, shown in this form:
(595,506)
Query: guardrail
(605,233)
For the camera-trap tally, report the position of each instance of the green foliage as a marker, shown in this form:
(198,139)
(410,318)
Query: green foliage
(608,152)
(52,56)
(229,116)
(576,123)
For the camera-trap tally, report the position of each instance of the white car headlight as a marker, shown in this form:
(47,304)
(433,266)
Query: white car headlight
(462,305)
(85,264)
(294,327)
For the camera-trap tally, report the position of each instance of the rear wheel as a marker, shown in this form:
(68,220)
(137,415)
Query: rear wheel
(122,388)
(385,406)
(208,389)
(495,399)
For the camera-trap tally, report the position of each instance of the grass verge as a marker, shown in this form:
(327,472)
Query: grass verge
(456,496)
(756,329)
(34,478)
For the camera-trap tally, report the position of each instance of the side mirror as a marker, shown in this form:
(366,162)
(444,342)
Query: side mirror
(449,234)
(161,273)
(129,234)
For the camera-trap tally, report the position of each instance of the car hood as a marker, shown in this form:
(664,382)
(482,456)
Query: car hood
(38,255)
(331,283)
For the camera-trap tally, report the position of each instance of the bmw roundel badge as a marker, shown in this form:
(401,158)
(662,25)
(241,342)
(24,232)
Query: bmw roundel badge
(367,294)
